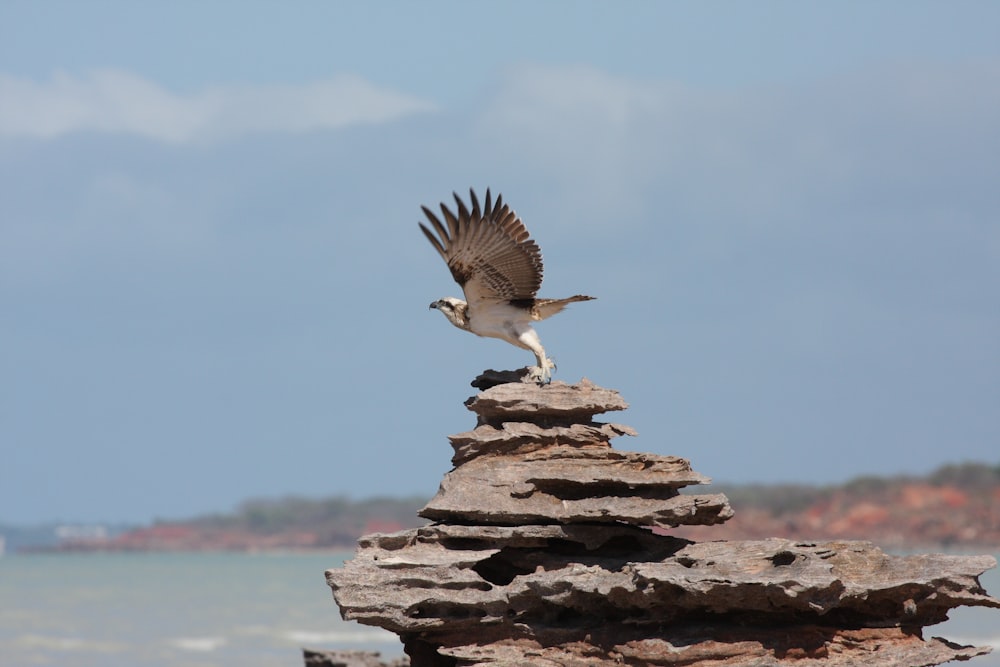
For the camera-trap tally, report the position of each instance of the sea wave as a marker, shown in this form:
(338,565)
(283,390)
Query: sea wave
(335,636)
(199,644)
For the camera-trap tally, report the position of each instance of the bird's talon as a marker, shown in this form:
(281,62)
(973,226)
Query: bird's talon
(540,375)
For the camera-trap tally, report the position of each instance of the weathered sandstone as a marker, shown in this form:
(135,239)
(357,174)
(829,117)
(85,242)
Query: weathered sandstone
(550,547)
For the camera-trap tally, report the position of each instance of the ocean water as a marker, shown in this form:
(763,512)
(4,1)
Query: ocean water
(173,610)
(224,610)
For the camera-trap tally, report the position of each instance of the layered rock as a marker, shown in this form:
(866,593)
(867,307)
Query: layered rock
(537,456)
(552,548)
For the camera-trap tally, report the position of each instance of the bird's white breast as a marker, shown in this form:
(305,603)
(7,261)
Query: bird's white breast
(499,320)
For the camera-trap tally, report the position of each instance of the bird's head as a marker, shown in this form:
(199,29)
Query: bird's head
(454,309)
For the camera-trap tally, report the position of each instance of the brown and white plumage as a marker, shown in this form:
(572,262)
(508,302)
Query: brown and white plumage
(499,267)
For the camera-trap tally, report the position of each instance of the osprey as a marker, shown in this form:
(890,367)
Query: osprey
(500,270)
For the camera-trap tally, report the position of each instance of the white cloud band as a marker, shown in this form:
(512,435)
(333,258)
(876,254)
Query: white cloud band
(114,101)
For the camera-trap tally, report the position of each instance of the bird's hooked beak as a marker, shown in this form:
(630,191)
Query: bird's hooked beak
(436,304)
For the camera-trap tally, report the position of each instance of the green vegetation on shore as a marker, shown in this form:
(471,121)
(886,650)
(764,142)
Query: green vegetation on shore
(338,519)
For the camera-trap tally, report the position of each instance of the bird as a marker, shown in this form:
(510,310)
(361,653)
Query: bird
(499,267)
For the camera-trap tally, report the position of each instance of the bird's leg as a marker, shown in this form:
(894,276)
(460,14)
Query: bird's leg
(542,373)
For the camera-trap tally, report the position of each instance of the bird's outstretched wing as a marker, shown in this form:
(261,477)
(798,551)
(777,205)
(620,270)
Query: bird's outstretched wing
(488,250)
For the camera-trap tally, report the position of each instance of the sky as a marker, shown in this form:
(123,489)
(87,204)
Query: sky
(213,286)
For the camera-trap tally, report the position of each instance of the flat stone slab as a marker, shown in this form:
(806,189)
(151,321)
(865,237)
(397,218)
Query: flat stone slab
(565,484)
(523,437)
(606,591)
(557,402)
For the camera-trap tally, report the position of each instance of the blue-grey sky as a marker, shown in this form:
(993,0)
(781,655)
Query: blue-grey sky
(212,284)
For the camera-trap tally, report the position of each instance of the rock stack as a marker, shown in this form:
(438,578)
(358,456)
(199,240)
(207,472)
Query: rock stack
(549,547)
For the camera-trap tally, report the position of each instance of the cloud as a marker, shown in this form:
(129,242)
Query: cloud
(119,102)
(894,136)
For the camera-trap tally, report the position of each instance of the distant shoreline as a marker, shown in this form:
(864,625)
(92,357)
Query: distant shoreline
(954,509)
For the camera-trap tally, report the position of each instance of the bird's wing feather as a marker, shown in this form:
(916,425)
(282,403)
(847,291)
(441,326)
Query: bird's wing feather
(488,250)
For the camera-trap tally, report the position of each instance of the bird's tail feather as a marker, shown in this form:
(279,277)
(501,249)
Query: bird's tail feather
(544,308)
